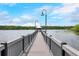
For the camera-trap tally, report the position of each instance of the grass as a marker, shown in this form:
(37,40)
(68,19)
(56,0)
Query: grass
(75,29)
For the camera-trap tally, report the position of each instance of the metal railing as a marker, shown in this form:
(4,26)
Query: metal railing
(1,48)
(59,48)
(17,47)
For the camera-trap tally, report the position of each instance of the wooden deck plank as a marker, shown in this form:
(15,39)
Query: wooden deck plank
(39,47)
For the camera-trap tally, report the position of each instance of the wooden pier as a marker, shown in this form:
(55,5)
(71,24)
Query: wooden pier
(39,47)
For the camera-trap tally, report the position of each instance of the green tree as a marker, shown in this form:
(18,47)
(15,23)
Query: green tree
(76,28)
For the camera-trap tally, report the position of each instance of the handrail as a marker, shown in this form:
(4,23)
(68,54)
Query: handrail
(63,48)
(70,50)
(16,47)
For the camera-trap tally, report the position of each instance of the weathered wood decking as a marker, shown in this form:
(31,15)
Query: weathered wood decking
(39,47)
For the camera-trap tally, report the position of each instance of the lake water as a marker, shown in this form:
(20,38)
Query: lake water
(63,35)
(11,35)
(66,36)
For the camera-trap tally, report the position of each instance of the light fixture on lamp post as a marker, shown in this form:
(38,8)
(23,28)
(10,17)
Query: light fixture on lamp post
(44,13)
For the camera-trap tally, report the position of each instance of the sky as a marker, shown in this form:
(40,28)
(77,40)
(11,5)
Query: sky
(25,14)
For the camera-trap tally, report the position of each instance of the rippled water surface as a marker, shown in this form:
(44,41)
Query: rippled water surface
(63,35)
(66,36)
(10,35)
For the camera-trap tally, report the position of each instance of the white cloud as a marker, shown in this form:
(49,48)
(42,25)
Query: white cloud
(3,12)
(22,20)
(73,12)
(72,4)
(4,15)
(27,17)
(16,20)
(46,7)
(67,12)
(25,7)
(29,24)
(9,4)
(66,8)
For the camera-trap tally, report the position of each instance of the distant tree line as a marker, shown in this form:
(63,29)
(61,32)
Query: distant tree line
(16,27)
(32,27)
(57,27)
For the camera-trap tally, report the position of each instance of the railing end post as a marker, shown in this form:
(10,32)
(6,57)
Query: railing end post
(62,51)
(5,49)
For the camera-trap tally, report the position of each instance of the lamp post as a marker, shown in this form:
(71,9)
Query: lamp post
(44,13)
(35,23)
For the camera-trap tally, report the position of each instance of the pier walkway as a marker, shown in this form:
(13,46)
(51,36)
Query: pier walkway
(35,44)
(39,47)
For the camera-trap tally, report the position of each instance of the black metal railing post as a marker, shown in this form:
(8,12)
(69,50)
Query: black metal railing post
(62,51)
(23,43)
(28,39)
(46,37)
(31,37)
(5,49)
(50,44)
